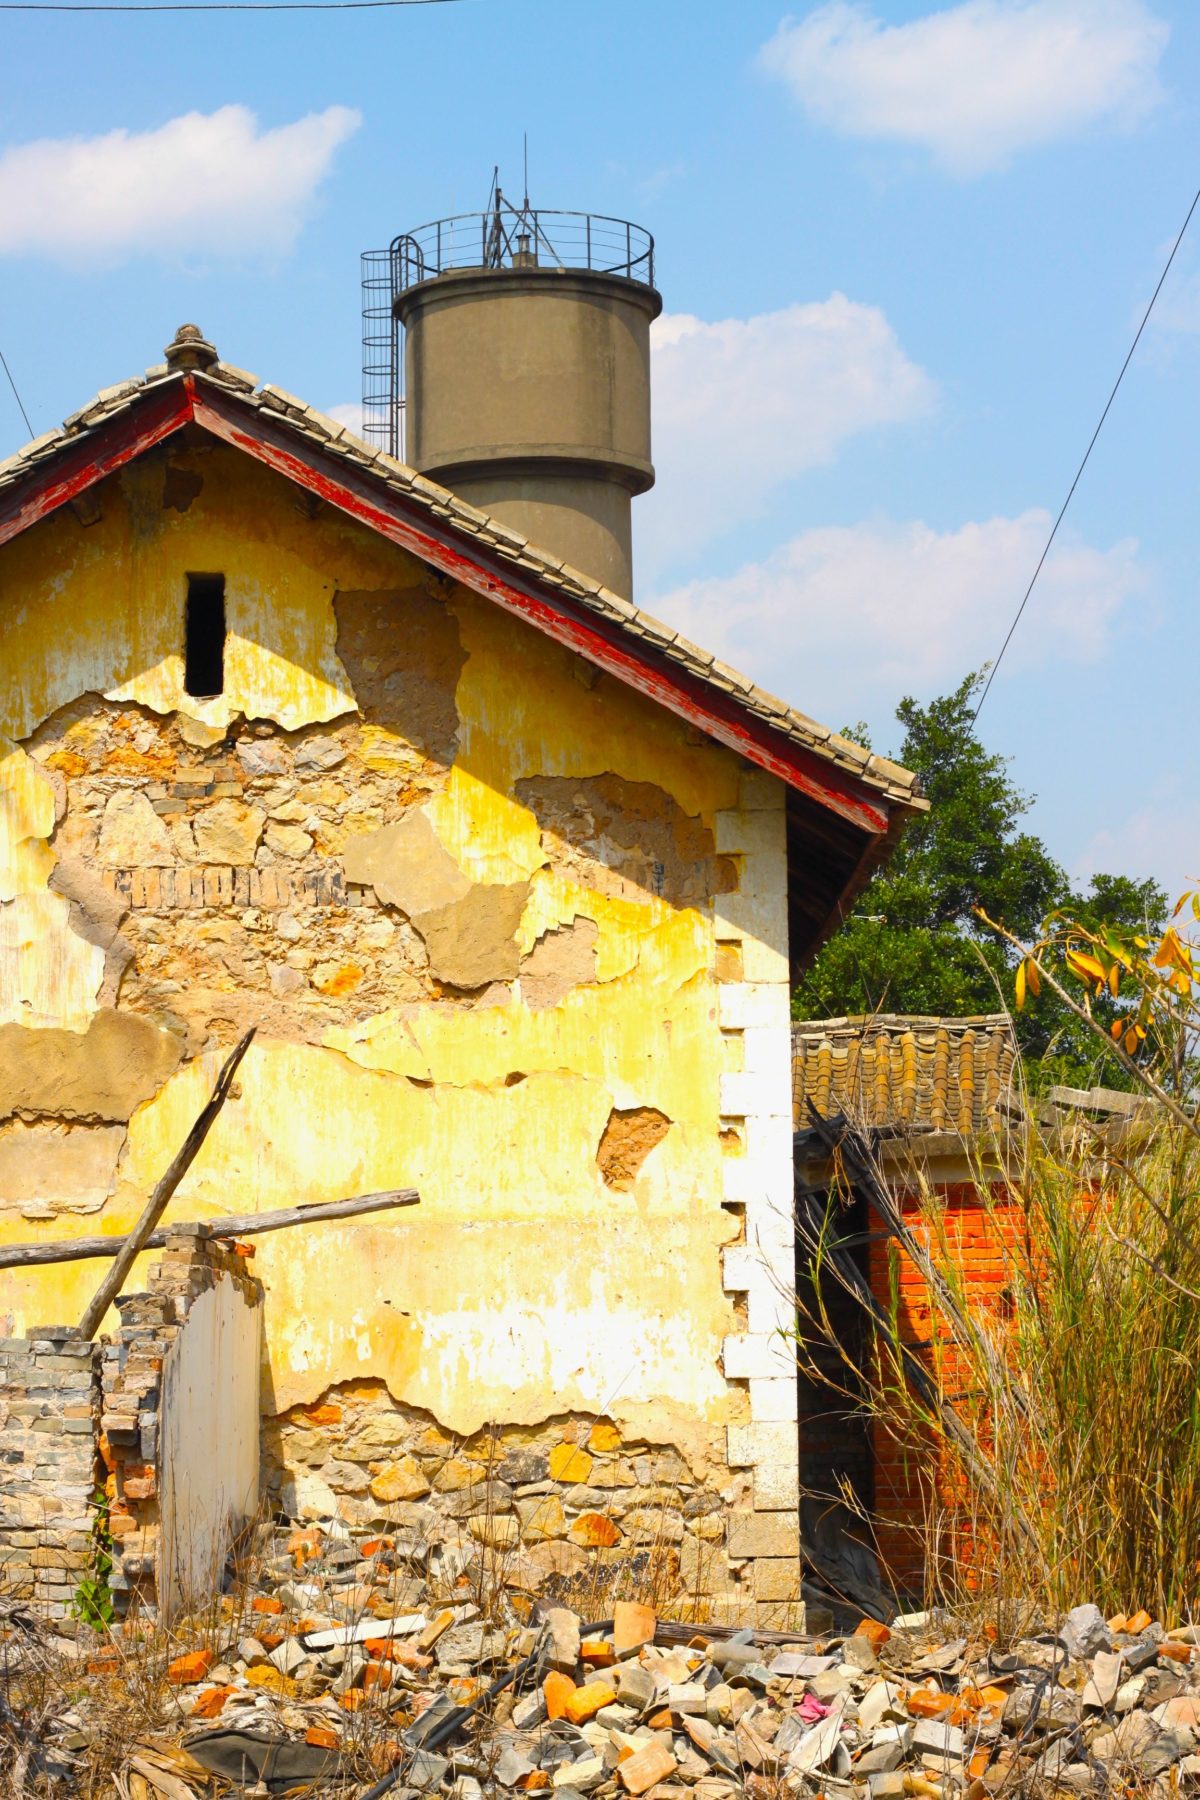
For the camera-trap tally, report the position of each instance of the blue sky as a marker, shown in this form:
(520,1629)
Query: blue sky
(902,249)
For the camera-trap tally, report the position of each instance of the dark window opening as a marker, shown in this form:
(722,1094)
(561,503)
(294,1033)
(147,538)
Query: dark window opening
(204,637)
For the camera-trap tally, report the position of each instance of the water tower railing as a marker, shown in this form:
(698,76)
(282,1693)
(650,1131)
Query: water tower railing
(504,237)
(523,237)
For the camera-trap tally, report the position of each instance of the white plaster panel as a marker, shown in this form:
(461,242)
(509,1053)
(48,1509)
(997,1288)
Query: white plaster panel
(741,1450)
(751,1180)
(763,962)
(761,1179)
(751,1444)
(773,1399)
(208,1442)
(760,791)
(750,833)
(738,1267)
(769,1307)
(756,914)
(758,1356)
(746,1092)
(768,1047)
(748,1004)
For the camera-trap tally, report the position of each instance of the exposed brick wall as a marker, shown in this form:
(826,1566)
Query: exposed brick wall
(908,1479)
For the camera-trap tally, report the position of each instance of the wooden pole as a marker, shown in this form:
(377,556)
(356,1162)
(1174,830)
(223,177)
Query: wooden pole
(30,1256)
(156,1205)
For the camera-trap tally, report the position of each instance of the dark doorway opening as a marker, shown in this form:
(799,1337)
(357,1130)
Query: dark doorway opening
(837,1457)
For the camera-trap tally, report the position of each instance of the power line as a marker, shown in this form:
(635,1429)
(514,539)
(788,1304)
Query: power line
(207,6)
(1087,453)
(12,384)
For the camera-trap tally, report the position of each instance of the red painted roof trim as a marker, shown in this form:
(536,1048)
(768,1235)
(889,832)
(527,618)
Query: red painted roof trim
(78,466)
(407,523)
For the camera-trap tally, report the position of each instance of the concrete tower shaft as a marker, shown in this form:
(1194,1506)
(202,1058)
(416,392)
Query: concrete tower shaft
(527,392)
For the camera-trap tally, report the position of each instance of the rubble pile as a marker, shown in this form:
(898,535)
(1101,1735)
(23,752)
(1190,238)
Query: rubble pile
(350,1664)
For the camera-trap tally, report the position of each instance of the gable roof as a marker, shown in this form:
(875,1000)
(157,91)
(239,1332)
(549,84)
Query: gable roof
(846,805)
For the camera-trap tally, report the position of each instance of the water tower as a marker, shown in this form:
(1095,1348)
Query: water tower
(506,355)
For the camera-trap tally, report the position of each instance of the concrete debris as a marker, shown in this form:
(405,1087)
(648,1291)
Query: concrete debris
(356,1647)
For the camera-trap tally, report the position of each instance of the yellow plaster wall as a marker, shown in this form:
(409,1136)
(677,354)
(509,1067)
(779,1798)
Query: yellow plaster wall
(523,1285)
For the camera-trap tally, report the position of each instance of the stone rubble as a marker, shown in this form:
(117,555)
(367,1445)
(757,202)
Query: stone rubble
(345,1645)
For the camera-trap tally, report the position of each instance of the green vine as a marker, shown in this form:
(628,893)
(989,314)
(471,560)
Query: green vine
(92,1602)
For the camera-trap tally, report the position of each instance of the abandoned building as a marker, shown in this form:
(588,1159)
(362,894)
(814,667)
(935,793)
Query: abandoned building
(381,758)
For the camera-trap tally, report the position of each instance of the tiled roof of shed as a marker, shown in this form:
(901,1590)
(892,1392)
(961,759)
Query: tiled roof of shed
(877,772)
(917,1073)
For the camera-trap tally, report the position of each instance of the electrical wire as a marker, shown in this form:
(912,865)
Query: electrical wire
(208,6)
(1086,455)
(12,384)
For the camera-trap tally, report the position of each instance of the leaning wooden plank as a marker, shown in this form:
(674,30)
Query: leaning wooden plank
(156,1205)
(29,1256)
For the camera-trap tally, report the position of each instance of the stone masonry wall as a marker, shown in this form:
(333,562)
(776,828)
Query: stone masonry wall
(516,935)
(49,1414)
(567,1507)
(79,1418)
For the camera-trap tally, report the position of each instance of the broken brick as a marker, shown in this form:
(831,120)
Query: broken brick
(633,1625)
(645,1768)
(585,1702)
(191,1667)
(556,1691)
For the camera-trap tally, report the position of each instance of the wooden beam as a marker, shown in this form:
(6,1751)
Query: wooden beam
(156,1205)
(31,1256)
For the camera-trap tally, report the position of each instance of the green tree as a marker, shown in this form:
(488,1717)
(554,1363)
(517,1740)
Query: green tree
(913,943)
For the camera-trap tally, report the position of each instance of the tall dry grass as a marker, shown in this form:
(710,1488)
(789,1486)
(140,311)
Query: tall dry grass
(1053,1432)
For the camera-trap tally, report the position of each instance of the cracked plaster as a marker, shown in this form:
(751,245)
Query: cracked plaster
(507,1289)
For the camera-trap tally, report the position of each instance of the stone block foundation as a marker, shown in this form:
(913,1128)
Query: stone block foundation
(569,1507)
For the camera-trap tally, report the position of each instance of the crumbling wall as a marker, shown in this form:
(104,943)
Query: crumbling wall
(49,1415)
(180,1422)
(568,1501)
(93,1436)
(510,934)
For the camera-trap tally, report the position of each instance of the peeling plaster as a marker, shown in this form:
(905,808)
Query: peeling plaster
(503,1294)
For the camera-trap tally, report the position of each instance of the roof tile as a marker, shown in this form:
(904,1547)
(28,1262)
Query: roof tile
(910,1071)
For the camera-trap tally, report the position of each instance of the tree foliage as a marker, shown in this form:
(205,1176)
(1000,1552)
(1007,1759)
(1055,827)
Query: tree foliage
(915,944)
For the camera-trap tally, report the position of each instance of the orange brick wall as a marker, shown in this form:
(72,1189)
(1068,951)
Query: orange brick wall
(908,1480)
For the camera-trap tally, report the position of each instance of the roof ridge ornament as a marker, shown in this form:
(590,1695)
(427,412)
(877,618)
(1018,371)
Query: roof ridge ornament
(190,349)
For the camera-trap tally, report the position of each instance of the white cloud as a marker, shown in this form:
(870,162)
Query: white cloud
(1161,837)
(350,414)
(202,184)
(849,617)
(1178,309)
(976,82)
(744,405)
